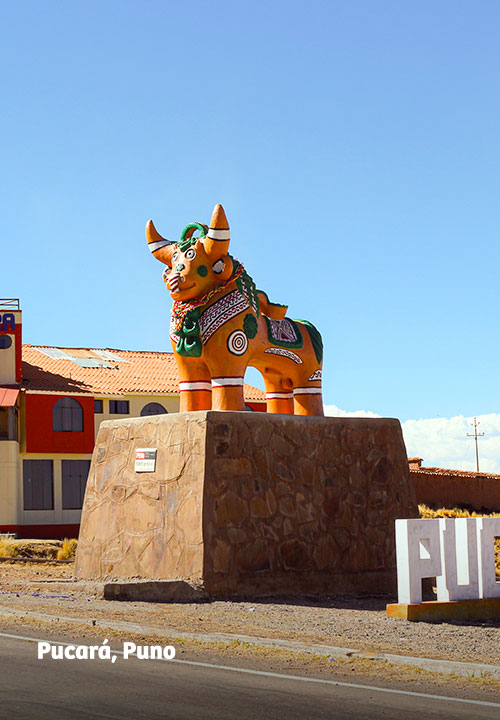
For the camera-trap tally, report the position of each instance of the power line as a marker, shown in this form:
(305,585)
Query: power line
(476,435)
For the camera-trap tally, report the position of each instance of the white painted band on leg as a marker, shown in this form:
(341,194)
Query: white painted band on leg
(194,386)
(215,234)
(307,391)
(227,382)
(279,396)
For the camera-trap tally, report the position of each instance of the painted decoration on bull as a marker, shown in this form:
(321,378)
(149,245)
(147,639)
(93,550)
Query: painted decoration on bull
(221,324)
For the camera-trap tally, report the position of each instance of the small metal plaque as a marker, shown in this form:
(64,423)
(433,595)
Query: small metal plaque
(145,460)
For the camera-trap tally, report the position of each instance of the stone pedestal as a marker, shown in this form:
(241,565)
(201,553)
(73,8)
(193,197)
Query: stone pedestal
(248,503)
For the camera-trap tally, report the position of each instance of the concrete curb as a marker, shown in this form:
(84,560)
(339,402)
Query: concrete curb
(461,669)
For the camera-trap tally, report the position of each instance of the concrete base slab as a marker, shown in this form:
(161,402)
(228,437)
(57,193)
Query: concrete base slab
(167,591)
(434,611)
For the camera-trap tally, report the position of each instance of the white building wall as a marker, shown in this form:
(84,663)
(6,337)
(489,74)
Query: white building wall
(9,482)
(136,404)
(57,516)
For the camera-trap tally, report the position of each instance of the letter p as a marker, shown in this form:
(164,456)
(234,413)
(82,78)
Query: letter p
(418,556)
(129,648)
(43,649)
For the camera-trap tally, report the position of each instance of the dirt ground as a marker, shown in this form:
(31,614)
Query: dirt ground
(350,623)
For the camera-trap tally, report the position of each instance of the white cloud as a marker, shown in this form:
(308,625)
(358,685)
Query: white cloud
(334,411)
(443,442)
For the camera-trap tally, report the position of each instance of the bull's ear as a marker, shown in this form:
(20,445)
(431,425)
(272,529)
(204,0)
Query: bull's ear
(162,249)
(217,240)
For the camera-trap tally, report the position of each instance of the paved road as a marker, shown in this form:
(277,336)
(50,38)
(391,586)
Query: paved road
(78,690)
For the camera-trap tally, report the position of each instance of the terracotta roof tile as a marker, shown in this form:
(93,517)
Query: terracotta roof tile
(458,473)
(8,396)
(121,372)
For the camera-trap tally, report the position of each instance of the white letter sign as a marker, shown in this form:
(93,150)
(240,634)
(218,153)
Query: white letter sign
(458,552)
(418,556)
(488,529)
(460,578)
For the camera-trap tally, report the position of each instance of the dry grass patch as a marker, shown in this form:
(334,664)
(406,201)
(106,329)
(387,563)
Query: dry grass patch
(8,546)
(68,549)
(427,512)
(38,549)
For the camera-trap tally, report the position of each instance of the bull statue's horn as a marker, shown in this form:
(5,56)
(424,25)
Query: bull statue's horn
(217,242)
(155,240)
(160,247)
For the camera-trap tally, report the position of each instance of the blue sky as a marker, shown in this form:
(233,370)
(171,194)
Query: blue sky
(355,148)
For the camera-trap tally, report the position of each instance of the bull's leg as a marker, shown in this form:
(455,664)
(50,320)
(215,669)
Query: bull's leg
(194,384)
(308,400)
(227,391)
(279,395)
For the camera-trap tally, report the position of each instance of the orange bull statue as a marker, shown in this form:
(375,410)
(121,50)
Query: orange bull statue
(221,324)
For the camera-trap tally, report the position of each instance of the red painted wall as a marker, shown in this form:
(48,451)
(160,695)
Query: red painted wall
(18,333)
(51,532)
(40,437)
(257,406)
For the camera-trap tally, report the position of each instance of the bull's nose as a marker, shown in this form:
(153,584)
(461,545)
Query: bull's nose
(180,267)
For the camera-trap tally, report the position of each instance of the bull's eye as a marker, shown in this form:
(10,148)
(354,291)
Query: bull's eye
(190,254)
(218,266)
(175,256)
(166,271)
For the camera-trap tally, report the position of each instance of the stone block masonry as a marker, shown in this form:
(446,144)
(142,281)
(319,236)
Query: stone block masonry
(248,504)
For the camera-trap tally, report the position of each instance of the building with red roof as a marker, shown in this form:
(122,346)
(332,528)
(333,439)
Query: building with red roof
(52,401)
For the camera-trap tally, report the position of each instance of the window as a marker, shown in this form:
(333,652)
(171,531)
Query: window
(118,407)
(4,424)
(8,423)
(247,407)
(74,482)
(38,485)
(67,416)
(98,406)
(153,409)
(13,424)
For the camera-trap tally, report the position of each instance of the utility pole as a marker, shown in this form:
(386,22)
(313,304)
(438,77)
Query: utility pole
(476,435)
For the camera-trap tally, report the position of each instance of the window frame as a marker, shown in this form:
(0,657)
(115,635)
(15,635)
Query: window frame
(45,505)
(66,479)
(67,415)
(98,403)
(164,410)
(115,404)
